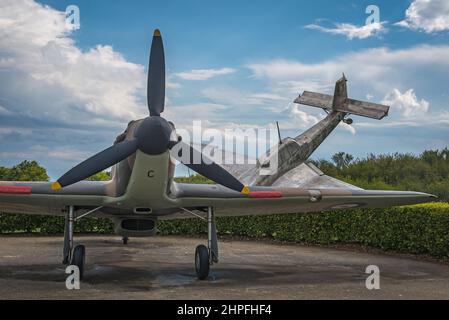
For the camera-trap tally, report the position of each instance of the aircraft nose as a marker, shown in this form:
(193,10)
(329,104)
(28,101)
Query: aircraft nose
(154,135)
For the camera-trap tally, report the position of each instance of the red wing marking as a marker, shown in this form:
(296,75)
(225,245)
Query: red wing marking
(265,194)
(15,190)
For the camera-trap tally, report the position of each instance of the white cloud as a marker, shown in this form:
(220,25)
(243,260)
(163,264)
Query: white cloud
(407,102)
(4,111)
(266,97)
(372,73)
(294,87)
(15,132)
(300,118)
(425,120)
(427,15)
(172,85)
(184,115)
(50,78)
(350,128)
(64,154)
(351,31)
(371,70)
(236,97)
(204,74)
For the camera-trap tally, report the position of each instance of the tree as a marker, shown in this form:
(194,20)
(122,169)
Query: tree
(3,173)
(101,176)
(24,171)
(427,172)
(342,160)
(195,179)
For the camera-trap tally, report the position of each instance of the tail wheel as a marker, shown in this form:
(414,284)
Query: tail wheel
(202,262)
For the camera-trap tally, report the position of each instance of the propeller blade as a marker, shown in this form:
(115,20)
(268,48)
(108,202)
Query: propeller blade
(156,76)
(208,168)
(97,163)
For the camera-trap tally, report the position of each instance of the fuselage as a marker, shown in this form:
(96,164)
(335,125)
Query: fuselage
(291,152)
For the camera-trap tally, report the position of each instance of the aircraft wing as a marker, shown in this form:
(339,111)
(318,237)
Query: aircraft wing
(39,198)
(268,201)
(304,189)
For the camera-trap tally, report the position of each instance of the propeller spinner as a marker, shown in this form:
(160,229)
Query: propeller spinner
(153,136)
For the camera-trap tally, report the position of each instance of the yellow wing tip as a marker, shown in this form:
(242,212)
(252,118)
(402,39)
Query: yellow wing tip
(246,190)
(56,186)
(157,33)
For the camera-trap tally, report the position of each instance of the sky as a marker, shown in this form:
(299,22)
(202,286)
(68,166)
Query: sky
(65,94)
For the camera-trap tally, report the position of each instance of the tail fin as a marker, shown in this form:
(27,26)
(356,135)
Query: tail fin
(341,93)
(341,103)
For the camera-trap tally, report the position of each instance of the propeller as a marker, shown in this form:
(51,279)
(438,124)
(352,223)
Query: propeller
(156,76)
(207,168)
(97,163)
(154,136)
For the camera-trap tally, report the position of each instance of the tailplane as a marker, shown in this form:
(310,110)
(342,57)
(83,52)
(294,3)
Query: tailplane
(341,103)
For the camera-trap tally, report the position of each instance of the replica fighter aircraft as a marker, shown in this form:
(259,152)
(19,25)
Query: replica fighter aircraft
(142,189)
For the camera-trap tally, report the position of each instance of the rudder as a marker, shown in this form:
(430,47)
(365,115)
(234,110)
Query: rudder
(341,93)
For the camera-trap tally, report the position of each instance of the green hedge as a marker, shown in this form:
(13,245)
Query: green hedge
(420,229)
(12,223)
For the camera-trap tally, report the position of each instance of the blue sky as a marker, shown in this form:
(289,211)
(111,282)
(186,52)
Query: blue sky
(66,95)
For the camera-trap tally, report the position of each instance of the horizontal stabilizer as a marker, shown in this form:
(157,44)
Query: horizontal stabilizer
(314,99)
(341,103)
(365,109)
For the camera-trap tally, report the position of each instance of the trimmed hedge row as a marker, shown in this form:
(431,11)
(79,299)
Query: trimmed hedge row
(12,223)
(422,229)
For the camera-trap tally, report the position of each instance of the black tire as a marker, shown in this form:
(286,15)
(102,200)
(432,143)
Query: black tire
(202,262)
(125,240)
(79,259)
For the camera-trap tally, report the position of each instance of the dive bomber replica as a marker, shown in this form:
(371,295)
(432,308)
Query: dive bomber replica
(142,189)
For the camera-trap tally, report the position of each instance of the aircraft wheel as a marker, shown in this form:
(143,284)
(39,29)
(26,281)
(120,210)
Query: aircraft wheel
(125,240)
(202,262)
(79,258)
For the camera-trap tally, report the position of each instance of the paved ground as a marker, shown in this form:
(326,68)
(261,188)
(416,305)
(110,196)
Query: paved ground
(162,268)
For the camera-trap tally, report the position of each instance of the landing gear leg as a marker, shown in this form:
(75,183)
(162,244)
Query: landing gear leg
(207,256)
(68,235)
(212,240)
(73,256)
